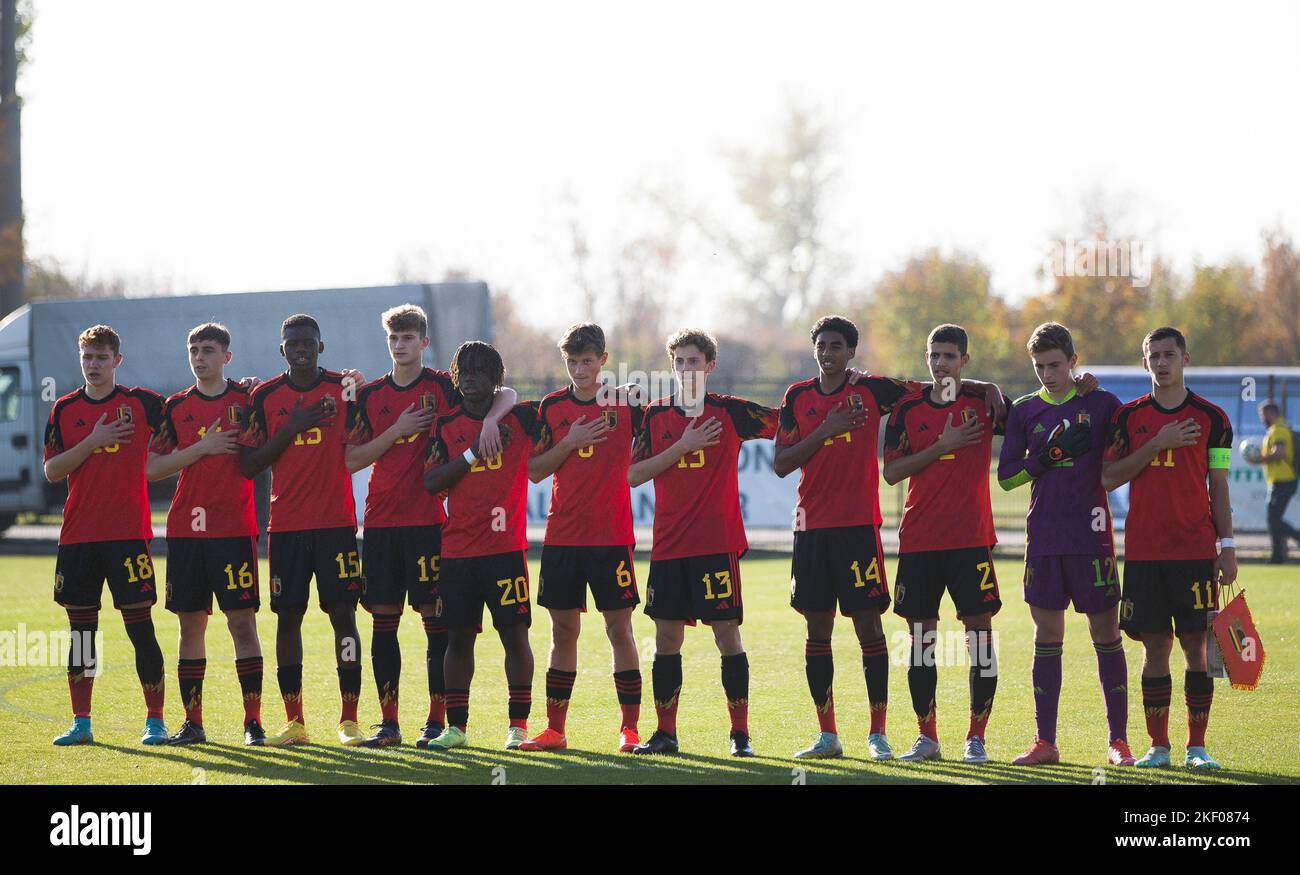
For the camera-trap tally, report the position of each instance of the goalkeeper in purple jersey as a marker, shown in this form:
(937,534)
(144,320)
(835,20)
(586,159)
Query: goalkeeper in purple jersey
(1054,441)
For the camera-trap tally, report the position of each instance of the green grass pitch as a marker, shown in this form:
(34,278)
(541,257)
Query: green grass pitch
(1251,733)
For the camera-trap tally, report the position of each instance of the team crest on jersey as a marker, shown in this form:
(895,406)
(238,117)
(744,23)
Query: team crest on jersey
(58,581)
(968,415)
(331,406)
(275,586)
(610,417)
(427,401)
(855,401)
(124,412)
(1038,429)
(235,414)
(1083,418)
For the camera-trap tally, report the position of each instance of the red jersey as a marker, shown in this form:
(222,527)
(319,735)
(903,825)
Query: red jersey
(697,500)
(212,500)
(591,503)
(948,505)
(1168,503)
(108,496)
(840,484)
(397,496)
(310,484)
(487,508)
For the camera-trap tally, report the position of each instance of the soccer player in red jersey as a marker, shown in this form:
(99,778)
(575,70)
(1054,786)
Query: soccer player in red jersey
(390,429)
(97,437)
(941,438)
(297,426)
(211,528)
(584,442)
(484,540)
(689,445)
(1166,444)
(828,429)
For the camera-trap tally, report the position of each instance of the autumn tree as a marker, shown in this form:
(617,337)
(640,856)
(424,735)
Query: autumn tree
(1278,314)
(931,289)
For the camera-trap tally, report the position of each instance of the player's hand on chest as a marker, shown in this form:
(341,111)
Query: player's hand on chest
(960,427)
(312,419)
(705,438)
(592,431)
(196,424)
(1178,440)
(844,416)
(512,445)
(112,436)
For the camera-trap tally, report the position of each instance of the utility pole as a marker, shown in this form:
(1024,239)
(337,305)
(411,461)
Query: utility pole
(12,294)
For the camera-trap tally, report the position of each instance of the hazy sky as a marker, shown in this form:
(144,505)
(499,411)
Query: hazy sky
(239,146)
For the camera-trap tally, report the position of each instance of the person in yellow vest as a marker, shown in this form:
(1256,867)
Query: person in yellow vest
(1277,455)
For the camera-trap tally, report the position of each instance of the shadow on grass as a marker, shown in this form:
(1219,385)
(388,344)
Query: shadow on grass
(324,764)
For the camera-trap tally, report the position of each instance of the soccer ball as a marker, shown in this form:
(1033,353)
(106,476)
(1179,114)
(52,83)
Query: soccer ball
(1250,450)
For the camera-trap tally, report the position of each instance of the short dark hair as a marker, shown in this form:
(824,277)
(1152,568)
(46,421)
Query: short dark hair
(949,333)
(406,317)
(299,319)
(1050,336)
(480,356)
(1164,333)
(838,324)
(582,337)
(1269,404)
(701,340)
(210,331)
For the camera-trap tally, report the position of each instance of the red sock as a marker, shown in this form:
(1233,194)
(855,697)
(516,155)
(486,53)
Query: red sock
(438,708)
(189,676)
(559,688)
(667,713)
(1156,693)
(154,695)
(878,710)
(928,724)
(627,686)
(738,711)
(83,624)
(249,671)
(80,686)
(826,716)
(979,722)
(294,706)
